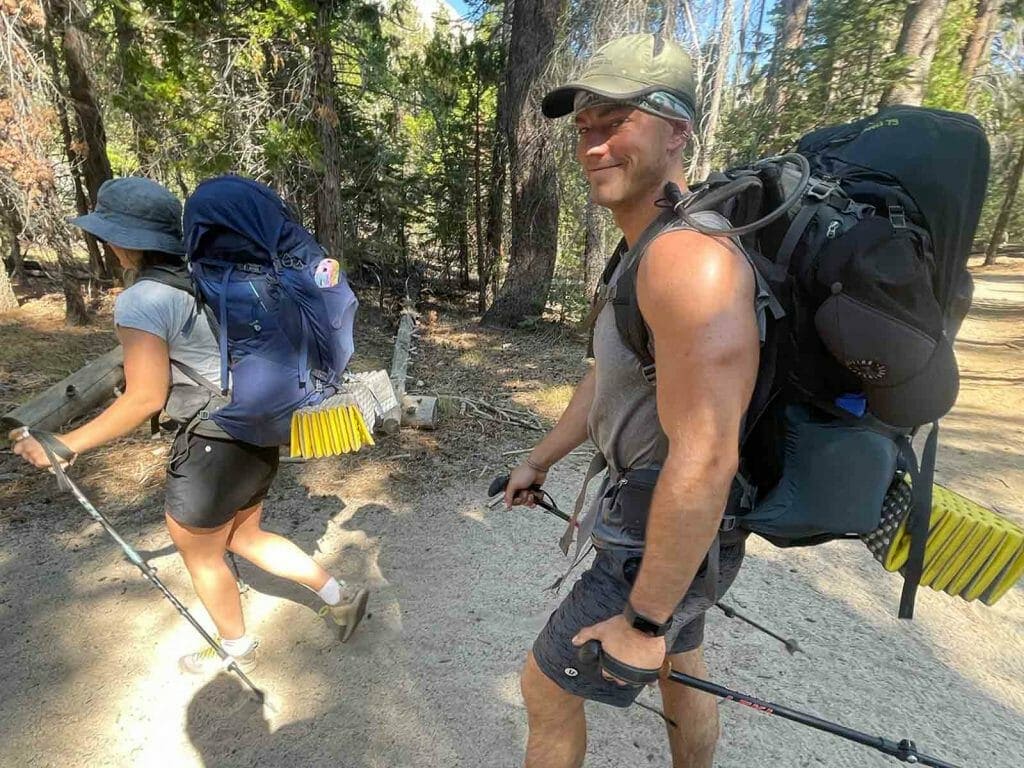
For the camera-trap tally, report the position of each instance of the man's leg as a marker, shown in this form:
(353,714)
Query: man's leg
(558,726)
(694,737)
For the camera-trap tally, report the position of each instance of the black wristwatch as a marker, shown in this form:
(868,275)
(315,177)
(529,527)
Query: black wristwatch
(643,624)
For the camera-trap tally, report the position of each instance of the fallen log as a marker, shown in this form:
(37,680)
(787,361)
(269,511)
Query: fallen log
(85,389)
(419,411)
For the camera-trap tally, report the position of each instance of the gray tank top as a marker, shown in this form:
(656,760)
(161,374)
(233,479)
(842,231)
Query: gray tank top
(623,421)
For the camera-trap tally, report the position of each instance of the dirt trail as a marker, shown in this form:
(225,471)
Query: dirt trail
(87,671)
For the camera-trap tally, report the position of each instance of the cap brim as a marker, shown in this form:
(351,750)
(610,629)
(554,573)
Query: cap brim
(923,398)
(559,102)
(909,377)
(127,237)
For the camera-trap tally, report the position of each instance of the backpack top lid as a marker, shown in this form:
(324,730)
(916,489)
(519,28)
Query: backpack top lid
(245,207)
(940,158)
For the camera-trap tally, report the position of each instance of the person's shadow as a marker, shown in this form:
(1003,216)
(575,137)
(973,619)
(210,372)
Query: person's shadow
(227,727)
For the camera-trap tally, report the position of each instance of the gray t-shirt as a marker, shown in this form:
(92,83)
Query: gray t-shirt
(165,312)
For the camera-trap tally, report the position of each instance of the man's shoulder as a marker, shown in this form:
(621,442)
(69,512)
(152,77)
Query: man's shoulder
(700,261)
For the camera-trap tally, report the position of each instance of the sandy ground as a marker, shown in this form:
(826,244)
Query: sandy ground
(87,666)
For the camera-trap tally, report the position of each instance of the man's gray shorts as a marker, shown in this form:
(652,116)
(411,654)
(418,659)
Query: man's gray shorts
(600,593)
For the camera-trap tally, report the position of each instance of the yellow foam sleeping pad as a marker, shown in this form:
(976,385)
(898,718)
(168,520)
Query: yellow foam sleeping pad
(332,428)
(971,551)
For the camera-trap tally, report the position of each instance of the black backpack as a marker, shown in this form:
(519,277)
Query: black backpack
(862,235)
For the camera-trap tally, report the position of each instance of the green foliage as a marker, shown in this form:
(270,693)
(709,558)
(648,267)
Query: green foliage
(947,87)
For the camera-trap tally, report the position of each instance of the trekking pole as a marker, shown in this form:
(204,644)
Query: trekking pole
(904,750)
(57,453)
(591,655)
(498,486)
(791,645)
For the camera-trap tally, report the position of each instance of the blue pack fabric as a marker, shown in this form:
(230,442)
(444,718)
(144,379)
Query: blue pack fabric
(285,340)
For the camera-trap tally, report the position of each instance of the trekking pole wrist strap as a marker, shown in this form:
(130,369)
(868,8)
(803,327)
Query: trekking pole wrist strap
(57,453)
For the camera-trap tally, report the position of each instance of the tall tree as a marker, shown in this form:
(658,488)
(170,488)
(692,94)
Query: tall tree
(330,215)
(919,36)
(91,137)
(792,15)
(986,17)
(717,87)
(1009,200)
(71,151)
(534,241)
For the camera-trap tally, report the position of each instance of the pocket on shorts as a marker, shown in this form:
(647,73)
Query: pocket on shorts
(179,452)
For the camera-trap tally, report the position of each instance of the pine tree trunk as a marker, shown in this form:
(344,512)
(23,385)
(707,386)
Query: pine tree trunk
(918,38)
(717,87)
(482,272)
(96,262)
(93,162)
(12,223)
(8,300)
(743,41)
(985,17)
(1012,185)
(789,37)
(668,23)
(534,242)
(594,256)
(330,216)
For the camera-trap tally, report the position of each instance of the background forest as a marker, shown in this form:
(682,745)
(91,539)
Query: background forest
(408,136)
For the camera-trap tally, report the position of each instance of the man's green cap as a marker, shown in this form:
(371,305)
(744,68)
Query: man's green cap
(627,68)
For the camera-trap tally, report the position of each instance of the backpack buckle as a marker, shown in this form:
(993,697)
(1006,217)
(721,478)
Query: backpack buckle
(728,523)
(204,414)
(650,373)
(819,189)
(897,217)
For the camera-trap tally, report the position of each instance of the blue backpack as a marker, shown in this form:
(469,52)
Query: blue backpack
(281,307)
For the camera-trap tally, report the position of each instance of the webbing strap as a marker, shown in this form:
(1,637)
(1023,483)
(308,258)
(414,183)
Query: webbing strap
(918,521)
(197,377)
(586,526)
(793,234)
(222,336)
(57,453)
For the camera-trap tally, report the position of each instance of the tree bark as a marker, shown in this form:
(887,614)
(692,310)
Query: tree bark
(985,17)
(1012,185)
(13,225)
(742,42)
(97,264)
(482,271)
(534,174)
(918,38)
(330,218)
(594,256)
(789,37)
(717,87)
(93,161)
(668,21)
(8,300)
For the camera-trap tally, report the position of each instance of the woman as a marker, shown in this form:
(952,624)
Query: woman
(215,485)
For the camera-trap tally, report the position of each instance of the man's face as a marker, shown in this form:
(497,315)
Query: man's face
(625,152)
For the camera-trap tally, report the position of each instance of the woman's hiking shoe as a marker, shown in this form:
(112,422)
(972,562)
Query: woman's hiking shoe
(207,661)
(347,614)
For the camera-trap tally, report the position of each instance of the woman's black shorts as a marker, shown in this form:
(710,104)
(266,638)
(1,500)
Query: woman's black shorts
(210,480)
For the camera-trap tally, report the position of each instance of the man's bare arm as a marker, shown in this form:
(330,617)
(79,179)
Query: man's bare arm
(697,296)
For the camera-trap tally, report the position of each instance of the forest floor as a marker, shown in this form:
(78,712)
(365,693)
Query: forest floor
(88,649)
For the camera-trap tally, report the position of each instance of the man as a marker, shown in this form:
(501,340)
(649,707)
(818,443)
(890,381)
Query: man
(646,592)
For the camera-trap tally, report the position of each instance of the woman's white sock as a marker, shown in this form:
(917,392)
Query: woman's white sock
(330,592)
(239,646)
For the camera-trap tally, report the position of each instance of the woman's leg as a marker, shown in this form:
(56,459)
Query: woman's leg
(344,604)
(271,552)
(202,549)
